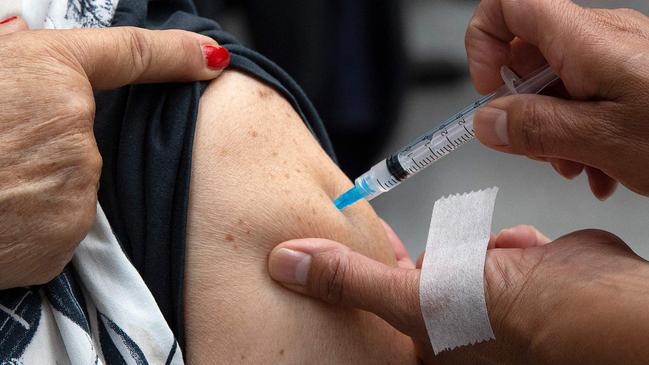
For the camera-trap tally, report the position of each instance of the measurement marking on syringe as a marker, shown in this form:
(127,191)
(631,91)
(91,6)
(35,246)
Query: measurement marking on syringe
(433,152)
(416,163)
(449,141)
(381,185)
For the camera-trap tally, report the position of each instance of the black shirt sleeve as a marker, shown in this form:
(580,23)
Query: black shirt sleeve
(145,135)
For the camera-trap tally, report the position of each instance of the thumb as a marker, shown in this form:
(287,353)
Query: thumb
(115,57)
(332,272)
(543,126)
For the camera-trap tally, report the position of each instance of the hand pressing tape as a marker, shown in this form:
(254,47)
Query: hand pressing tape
(451,287)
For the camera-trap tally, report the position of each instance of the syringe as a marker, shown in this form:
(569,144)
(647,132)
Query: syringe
(439,142)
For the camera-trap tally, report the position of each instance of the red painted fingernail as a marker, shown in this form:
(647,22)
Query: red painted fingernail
(217,57)
(10,19)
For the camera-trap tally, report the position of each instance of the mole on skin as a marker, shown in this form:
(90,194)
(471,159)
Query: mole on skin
(264,93)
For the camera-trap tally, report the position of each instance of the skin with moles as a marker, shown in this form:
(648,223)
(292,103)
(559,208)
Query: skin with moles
(259,178)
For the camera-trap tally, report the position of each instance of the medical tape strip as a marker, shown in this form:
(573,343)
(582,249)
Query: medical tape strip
(451,288)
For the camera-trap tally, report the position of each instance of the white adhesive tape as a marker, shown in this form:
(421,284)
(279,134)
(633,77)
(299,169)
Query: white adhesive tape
(451,287)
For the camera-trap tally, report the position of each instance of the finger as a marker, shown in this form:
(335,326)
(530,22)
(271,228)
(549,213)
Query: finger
(124,55)
(12,24)
(492,241)
(567,169)
(522,236)
(332,272)
(496,23)
(420,260)
(400,251)
(536,125)
(602,185)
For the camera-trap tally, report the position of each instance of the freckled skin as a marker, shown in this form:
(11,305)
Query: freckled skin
(230,301)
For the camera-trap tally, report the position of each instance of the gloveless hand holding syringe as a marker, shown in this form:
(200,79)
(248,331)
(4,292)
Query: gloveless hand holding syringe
(439,142)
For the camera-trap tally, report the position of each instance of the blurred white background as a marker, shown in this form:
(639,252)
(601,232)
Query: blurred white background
(530,192)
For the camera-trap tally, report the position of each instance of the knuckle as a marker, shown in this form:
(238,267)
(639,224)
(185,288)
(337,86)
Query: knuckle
(188,42)
(92,163)
(333,275)
(530,129)
(598,236)
(189,47)
(77,164)
(137,43)
(79,108)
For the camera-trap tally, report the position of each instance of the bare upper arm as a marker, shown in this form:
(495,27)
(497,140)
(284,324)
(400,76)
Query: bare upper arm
(260,178)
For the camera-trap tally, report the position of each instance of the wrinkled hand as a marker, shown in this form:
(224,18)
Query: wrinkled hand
(49,162)
(599,122)
(579,299)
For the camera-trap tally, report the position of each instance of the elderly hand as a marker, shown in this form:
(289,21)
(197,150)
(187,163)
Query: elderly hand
(579,299)
(602,56)
(49,162)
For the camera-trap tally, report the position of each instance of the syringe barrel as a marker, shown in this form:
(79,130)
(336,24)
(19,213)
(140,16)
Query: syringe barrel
(376,181)
(437,143)
(433,146)
(389,173)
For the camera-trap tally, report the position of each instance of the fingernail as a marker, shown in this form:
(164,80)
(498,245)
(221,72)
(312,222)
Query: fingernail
(491,125)
(217,57)
(289,266)
(10,19)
